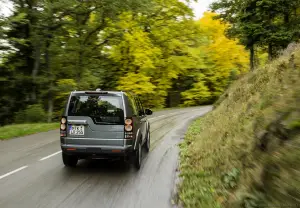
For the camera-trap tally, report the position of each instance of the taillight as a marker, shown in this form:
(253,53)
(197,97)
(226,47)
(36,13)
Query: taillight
(128,128)
(63,120)
(63,126)
(128,121)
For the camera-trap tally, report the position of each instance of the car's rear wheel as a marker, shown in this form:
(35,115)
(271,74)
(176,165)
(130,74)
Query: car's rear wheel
(69,160)
(138,156)
(147,143)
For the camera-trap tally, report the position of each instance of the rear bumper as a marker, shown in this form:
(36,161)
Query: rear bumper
(96,150)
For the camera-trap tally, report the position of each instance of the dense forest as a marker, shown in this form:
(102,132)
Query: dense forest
(155,49)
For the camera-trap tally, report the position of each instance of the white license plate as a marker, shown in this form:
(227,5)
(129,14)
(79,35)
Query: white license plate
(76,130)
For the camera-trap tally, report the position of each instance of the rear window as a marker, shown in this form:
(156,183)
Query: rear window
(103,109)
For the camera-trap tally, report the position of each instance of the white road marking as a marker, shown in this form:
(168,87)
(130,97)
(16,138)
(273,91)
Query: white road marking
(178,112)
(157,117)
(12,172)
(47,157)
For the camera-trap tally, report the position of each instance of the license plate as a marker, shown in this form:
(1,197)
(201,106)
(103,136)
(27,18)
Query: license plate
(76,130)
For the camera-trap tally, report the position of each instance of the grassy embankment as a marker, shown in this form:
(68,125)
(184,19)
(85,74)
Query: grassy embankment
(246,153)
(18,130)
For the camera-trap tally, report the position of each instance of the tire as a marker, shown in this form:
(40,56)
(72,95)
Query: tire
(147,143)
(69,161)
(138,156)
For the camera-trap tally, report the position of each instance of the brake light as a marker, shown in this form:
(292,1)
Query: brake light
(63,127)
(128,124)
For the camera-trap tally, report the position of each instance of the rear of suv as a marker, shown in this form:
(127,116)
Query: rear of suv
(104,124)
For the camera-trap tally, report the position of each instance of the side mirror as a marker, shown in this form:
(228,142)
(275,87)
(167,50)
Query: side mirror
(148,112)
(141,113)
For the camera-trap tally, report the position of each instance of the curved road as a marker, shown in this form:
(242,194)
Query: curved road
(32,174)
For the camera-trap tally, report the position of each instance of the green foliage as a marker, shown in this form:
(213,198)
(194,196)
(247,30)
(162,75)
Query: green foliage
(294,125)
(152,48)
(197,188)
(219,58)
(199,94)
(64,86)
(32,114)
(231,178)
(19,130)
(270,25)
(254,142)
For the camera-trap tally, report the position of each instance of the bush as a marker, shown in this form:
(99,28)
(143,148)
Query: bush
(32,114)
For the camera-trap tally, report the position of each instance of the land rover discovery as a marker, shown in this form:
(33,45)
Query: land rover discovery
(104,124)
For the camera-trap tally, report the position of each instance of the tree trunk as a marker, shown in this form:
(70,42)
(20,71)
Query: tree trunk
(50,107)
(34,73)
(79,65)
(270,52)
(256,59)
(50,92)
(252,57)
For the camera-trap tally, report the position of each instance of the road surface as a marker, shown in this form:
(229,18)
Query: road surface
(32,173)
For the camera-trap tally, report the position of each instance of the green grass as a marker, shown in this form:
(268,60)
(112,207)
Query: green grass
(18,130)
(246,153)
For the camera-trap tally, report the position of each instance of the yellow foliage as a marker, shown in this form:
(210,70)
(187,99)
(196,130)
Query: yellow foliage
(221,57)
(139,84)
(64,86)
(135,51)
(226,54)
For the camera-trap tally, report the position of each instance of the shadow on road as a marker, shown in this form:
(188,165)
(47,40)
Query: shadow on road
(105,166)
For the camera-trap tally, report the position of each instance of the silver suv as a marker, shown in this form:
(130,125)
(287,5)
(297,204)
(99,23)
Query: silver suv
(104,124)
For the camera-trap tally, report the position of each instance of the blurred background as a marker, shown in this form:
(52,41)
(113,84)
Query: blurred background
(170,53)
(241,56)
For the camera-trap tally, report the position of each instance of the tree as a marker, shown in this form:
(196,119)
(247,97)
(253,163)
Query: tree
(155,44)
(152,48)
(220,57)
(54,40)
(260,23)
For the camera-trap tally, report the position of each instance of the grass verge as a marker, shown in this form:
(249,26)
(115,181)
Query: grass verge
(246,152)
(18,130)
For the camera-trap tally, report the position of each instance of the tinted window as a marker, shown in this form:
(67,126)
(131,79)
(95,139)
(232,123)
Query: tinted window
(102,109)
(132,105)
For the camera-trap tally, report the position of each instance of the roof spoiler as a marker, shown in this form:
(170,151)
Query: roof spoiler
(95,92)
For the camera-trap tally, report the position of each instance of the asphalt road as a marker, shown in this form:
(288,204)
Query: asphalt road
(32,173)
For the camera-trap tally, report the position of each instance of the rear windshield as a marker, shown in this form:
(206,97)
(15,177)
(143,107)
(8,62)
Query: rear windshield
(103,109)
